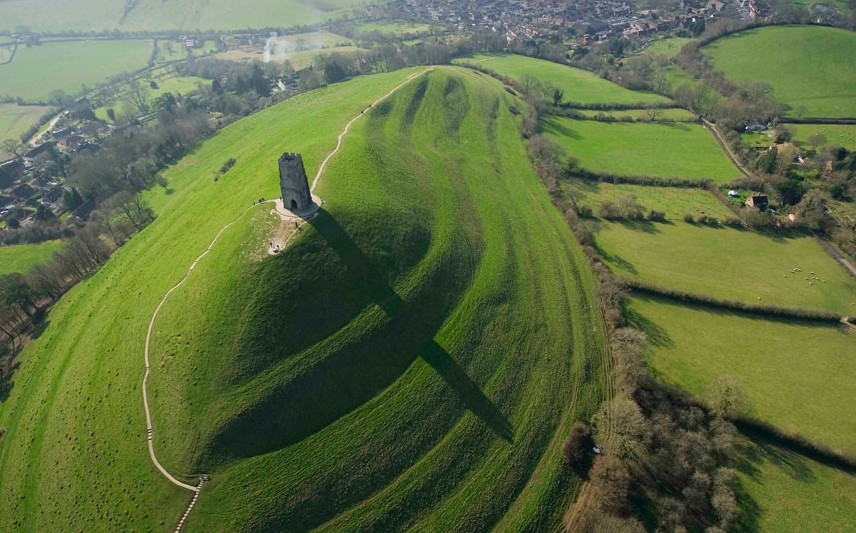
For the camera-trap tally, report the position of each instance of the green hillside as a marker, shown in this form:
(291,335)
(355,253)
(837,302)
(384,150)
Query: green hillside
(821,86)
(578,85)
(414,358)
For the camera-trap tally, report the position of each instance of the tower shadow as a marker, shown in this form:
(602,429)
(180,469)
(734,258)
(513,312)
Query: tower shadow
(353,372)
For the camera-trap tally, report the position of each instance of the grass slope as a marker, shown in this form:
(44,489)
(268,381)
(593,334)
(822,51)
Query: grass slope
(784,491)
(729,264)
(836,135)
(154,15)
(23,257)
(798,375)
(15,119)
(680,150)
(458,351)
(578,85)
(811,68)
(38,70)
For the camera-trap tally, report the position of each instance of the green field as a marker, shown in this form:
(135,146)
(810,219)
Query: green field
(679,150)
(667,47)
(674,202)
(15,120)
(436,391)
(173,84)
(578,85)
(397,28)
(798,375)
(674,113)
(836,135)
(23,257)
(811,68)
(784,491)
(158,15)
(38,70)
(729,264)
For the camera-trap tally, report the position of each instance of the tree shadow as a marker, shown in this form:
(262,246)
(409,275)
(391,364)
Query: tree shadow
(555,126)
(618,261)
(351,372)
(655,334)
(6,382)
(639,225)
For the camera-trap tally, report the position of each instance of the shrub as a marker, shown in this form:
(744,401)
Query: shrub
(688,218)
(656,216)
(577,448)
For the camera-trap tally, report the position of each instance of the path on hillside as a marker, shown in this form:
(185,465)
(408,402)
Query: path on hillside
(727,148)
(149,429)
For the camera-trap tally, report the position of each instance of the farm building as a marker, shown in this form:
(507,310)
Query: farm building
(758,200)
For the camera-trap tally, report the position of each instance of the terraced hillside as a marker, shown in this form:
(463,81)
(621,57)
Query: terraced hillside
(414,358)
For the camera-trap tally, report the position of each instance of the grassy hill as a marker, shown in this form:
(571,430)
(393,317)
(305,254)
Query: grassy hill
(578,85)
(798,375)
(821,86)
(38,70)
(669,149)
(415,358)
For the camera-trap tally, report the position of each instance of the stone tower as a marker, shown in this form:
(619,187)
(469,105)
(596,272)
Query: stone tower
(294,183)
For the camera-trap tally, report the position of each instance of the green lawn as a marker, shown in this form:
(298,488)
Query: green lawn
(798,375)
(38,70)
(159,15)
(836,135)
(674,202)
(578,85)
(679,150)
(15,120)
(411,351)
(793,493)
(811,68)
(173,84)
(667,47)
(23,257)
(729,264)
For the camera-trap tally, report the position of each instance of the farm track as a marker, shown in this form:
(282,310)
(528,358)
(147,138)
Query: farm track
(149,429)
(726,148)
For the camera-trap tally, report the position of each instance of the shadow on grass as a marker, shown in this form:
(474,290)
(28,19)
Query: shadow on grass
(553,125)
(6,382)
(354,368)
(618,261)
(639,225)
(656,335)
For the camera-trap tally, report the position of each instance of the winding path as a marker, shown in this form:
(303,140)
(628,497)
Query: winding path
(726,148)
(149,429)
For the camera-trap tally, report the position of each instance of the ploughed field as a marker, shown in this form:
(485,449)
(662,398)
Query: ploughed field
(413,359)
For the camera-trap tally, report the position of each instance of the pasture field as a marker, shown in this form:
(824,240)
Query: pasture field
(16,119)
(668,149)
(22,257)
(667,47)
(811,68)
(836,135)
(578,85)
(173,84)
(440,385)
(159,15)
(38,70)
(673,113)
(729,264)
(797,374)
(793,493)
(300,49)
(675,202)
